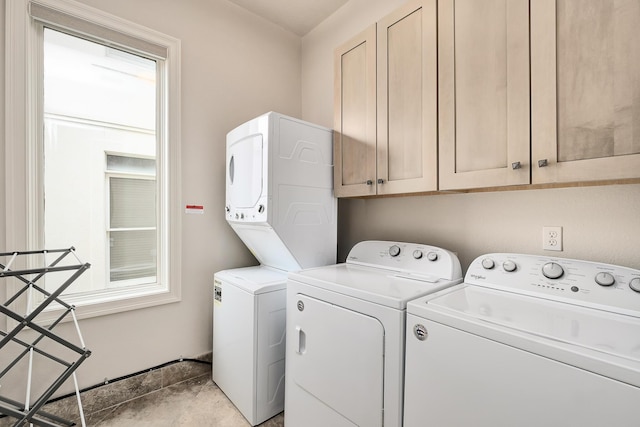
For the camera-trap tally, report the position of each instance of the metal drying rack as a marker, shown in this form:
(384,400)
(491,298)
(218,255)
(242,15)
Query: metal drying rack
(30,412)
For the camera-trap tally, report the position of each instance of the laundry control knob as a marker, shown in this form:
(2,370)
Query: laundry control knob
(552,270)
(488,263)
(260,208)
(635,284)
(417,254)
(394,250)
(432,256)
(509,266)
(605,279)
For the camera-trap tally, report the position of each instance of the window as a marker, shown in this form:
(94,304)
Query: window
(132,231)
(102,150)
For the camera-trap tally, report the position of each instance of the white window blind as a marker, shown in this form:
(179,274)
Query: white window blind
(132,218)
(133,255)
(132,203)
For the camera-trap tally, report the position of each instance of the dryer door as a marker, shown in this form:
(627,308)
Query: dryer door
(337,366)
(245,171)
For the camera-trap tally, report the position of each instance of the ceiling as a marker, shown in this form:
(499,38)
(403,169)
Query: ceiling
(297,16)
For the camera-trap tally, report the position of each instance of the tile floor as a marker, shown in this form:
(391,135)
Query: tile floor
(176,395)
(195,402)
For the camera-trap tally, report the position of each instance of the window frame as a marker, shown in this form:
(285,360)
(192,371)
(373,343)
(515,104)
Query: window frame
(24,123)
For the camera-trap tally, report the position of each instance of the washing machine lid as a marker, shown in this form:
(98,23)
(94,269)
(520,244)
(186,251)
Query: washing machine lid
(255,280)
(596,340)
(381,286)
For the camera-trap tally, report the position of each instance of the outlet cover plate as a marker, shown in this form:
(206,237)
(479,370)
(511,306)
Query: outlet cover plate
(552,238)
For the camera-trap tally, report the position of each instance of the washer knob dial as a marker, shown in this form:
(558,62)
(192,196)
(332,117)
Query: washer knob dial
(488,263)
(432,256)
(509,266)
(552,270)
(417,254)
(394,250)
(605,279)
(635,284)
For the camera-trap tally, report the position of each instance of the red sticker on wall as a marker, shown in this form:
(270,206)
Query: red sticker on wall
(194,209)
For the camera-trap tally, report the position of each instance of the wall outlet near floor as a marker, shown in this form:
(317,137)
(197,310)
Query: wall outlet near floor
(552,238)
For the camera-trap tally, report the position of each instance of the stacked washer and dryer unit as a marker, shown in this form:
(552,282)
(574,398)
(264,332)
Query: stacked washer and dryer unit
(280,202)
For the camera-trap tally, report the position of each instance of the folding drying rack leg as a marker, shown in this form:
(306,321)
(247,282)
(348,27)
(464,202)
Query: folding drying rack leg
(27,412)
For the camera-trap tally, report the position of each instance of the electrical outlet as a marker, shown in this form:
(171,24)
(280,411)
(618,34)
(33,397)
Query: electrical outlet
(552,238)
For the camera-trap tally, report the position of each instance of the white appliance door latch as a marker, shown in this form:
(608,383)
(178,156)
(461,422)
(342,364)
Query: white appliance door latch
(301,341)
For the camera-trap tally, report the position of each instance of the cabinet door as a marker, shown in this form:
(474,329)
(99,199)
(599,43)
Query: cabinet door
(484,99)
(585,81)
(407,99)
(355,116)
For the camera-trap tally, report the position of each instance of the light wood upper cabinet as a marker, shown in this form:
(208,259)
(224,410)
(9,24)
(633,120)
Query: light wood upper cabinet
(407,100)
(386,106)
(585,81)
(354,149)
(483,53)
(502,92)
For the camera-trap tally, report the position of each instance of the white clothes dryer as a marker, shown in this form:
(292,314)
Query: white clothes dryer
(527,341)
(346,329)
(279,191)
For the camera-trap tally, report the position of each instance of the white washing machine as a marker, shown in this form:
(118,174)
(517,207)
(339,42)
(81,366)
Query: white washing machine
(346,331)
(249,324)
(527,341)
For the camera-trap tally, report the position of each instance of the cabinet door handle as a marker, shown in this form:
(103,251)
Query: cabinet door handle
(543,163)
(380,181)
(516,165)
(369,182)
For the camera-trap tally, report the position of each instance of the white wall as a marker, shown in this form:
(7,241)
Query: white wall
(2,130)
(235,66)
(600,223)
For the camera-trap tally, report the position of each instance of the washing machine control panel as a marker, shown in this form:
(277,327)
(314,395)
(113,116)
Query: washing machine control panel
(597,285)
(408,259)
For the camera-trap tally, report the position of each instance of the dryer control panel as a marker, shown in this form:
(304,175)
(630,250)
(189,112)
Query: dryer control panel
(604,286)
(410,260)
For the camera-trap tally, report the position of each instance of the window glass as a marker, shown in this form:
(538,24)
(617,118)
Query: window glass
(131,165)
(132,203)
(88,80)
(133,255)
(99,101)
